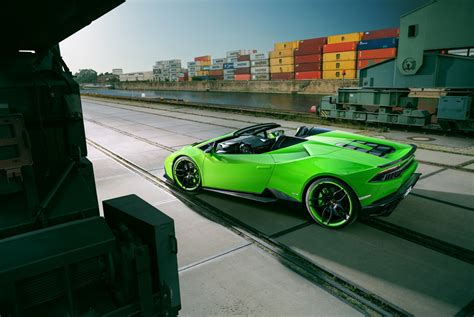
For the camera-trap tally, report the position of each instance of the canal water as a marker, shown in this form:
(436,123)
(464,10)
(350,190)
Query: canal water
(287,102)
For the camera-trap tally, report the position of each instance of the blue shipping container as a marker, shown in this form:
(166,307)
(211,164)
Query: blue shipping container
(228,65)
(378,43)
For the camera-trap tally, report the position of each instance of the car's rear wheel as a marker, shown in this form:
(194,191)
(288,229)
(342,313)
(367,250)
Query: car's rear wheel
(331,203)
(186,174)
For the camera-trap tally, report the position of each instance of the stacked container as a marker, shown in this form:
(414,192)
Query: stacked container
(377,46)
(216,71)
(259,66)
(233,69)
(340,56)
(308,59)
(242,67)
(168,70)
(204,66)
(282,65)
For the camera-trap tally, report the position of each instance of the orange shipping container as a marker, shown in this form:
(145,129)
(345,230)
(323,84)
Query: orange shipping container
(205,58)
(348,37)
(341,56)
(282,53)
(307,75)
(243,77)
(340,47)
(363,63)
(378,53)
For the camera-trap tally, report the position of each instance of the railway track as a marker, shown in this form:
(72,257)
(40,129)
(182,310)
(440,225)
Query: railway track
(357,297)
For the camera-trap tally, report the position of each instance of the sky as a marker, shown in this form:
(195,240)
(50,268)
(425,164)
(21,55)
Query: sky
(138,33)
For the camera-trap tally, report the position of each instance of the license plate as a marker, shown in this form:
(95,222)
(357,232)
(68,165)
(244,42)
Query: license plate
(408,191)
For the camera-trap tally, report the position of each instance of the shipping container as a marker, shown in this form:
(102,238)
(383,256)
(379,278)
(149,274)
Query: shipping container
(261,77)
(216,72)
(242,77)
(340,47)
(309,50)
(218,60)
(286,45)
(344,65)
(341,56)
(307,67)
(308,75)
(216,66)
(380,34)
(379,53)
(378,43)
(205,67)
(281,61)
(258,56)
(308,58)
(282,76)
(205,58)
(314,42)
(192,74)
(363,63)
(245,70)
(244,64)
(232,59)
(192,64)
(228,65)
(282,69)
(281,53)
(243,58)
(237,53)
(340,74)
(260,70)
(194,68)
(343,38)
(260,62)
(229,77)
(230,71)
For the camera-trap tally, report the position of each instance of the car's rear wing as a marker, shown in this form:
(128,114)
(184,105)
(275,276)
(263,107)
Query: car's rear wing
(403,158)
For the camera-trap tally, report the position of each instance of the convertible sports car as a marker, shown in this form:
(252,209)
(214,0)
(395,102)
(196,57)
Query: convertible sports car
(337,175)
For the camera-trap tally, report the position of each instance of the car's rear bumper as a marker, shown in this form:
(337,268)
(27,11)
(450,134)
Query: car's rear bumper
(386,205)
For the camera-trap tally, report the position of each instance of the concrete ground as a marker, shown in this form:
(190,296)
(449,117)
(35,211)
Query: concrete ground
(221,273)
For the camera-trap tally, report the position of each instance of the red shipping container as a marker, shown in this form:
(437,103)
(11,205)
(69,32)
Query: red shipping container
(340,47)
(205,58)
(307,67)
(283,76)
(378,53)
(243,58)
(307,75)
(308,58)
(363,63)
(245,70)
(314,42)
(309,50)
(218,72)
(381,34)
(242,77)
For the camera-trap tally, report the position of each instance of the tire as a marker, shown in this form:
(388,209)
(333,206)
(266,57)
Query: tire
(331,203)
(186,174)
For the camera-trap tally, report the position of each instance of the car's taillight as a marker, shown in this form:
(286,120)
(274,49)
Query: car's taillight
(392,172)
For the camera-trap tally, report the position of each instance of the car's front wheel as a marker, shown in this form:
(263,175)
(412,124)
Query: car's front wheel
(186,174)
(331,203)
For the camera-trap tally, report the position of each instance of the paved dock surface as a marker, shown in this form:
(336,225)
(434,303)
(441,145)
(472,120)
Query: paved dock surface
(419,261)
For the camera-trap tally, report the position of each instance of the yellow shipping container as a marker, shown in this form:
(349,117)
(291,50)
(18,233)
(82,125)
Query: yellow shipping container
(337,74)
(204,63)
(203,73)
(282,69)
(282,53)
(286,45)
(349,37)
(281,61)
(341,56)
(346,65)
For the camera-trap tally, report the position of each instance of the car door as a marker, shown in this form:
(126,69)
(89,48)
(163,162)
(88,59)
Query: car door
(238,172)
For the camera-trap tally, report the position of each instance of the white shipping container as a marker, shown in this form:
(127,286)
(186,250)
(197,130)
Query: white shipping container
(192,74)
(191,64)
(258,56)
(194,68)
(260,70)
(232,59)
(259,63)
(229,71)
(241,64)
(228,77)
(261,77)
(218,61)
(217,67)
(235,53)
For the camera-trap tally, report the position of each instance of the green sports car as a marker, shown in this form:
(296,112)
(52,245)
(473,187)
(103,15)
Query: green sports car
(337,175)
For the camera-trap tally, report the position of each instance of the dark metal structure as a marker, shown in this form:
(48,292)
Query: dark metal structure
(58,256)
(423,62)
